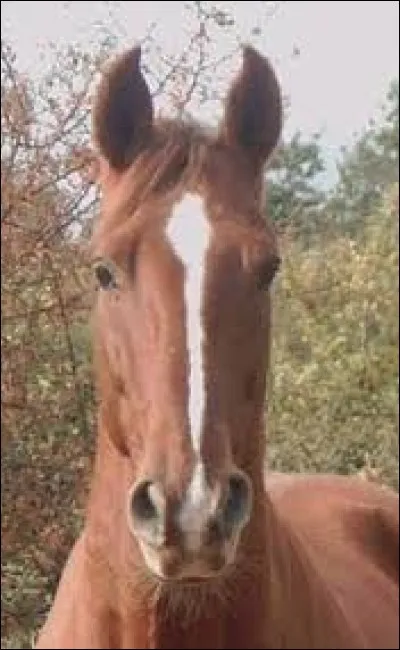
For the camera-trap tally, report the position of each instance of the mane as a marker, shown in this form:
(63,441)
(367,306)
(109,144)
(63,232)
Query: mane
(175,153)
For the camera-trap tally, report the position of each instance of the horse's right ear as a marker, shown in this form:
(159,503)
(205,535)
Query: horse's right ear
(123,111)
(253,115)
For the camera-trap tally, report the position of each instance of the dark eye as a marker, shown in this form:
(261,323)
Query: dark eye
(105,274)
(266,270)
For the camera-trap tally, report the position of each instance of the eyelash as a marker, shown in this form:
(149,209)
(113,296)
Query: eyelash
(105,275)
(266,272)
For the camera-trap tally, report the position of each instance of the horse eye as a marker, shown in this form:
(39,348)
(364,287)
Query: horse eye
(105,275)
(266,272)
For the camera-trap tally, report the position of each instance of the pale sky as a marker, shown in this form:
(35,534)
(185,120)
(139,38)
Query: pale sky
(348,50)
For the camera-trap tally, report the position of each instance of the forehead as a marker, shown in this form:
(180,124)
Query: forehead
(189,229)
(186,186)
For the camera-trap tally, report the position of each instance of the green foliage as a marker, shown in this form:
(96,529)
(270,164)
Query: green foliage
(292,180)
(21,586)
(369,166)
(334,405)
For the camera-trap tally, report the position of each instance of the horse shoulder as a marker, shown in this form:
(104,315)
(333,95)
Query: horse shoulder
(72,621)
(349,531)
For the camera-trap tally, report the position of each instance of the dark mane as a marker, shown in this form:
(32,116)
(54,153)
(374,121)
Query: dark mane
(181,153)
(175,152)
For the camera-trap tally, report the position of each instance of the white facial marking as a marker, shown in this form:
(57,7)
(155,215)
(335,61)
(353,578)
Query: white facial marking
(189,233)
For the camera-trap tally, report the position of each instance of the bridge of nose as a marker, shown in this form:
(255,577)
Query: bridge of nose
(199,500)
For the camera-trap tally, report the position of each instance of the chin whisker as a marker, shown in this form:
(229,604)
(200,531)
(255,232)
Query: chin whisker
(188,600)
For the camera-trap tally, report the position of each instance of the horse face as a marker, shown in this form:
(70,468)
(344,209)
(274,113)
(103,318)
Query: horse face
(185,261)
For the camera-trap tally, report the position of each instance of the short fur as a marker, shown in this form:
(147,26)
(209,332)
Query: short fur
(316,565)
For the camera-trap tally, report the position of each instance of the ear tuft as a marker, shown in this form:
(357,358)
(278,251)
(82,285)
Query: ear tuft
(122,111)
(253,113)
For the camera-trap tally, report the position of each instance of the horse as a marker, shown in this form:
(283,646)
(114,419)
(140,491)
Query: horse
(188,541)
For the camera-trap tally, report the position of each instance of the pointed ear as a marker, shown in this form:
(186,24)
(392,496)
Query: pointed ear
(122,114)
(253,113)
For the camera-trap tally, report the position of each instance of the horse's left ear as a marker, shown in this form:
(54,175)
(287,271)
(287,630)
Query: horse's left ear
(253,113)
(122,116)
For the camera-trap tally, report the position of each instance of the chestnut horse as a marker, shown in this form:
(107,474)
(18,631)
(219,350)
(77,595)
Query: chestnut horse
(186,543)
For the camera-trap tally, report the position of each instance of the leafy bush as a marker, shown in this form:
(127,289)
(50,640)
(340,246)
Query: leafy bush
(334,405)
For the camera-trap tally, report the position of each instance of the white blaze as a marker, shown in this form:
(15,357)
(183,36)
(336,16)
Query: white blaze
(189,233)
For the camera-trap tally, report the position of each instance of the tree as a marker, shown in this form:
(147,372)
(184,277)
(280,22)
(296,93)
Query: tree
(292,190)
(370,166)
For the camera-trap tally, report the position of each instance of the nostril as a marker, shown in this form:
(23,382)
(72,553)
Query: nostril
(147,513)
(238,501)
(145,502)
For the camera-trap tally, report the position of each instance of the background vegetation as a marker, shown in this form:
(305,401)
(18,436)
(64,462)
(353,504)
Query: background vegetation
(333,395)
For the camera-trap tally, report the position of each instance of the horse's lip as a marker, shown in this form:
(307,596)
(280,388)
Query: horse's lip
(190,580)
(200,579)
(187,571)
